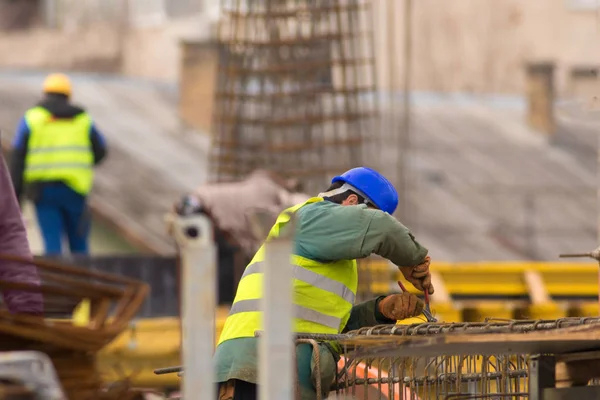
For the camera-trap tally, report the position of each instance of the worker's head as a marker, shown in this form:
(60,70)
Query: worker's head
(57,84)
(363,185)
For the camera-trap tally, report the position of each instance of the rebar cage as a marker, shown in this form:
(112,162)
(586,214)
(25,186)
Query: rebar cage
(416,378)
(491,376)
(296,89)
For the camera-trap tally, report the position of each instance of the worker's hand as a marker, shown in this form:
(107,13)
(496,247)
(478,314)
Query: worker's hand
(419,276)
(401,306)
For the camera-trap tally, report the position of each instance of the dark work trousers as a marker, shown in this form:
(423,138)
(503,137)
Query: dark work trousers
(62,212)
(249,391)
(243,391)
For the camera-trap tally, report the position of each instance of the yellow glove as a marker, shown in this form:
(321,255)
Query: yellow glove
(401,306)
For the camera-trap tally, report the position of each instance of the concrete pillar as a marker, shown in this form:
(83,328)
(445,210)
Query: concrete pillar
(540,97)
(197,83)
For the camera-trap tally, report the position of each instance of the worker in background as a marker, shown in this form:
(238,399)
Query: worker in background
(236,243)
(55,150)
(351,220)
(13,241)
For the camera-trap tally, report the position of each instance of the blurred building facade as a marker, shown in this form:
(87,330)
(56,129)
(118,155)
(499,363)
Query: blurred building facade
(461,45)
(483,46)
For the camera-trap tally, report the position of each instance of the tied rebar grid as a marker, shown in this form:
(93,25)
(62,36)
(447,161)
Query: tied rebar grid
(491,325)
(296,89)
(416,378)
(498,376)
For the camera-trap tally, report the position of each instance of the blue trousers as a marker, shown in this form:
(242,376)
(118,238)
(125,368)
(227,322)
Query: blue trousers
(62,212)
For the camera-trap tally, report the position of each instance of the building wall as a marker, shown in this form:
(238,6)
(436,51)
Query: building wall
(483,45)
(458,45)
(137,38)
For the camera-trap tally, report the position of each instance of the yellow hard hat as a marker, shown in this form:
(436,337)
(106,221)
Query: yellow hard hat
(57,83)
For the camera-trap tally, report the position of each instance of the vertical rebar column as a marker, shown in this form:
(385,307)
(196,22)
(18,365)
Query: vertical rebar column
(276,369)
(194,238)
(289,97)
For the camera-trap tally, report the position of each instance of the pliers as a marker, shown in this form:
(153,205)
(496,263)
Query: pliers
(427,311)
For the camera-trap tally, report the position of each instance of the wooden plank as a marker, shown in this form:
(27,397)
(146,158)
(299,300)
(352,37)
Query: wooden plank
(537,290)
(441,293)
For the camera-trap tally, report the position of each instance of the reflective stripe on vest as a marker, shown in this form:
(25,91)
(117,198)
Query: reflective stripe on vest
(59,150)
(299,311)
(312,278)
(324,293)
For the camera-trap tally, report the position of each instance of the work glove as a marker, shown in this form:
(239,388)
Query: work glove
(401,306)
(419,276)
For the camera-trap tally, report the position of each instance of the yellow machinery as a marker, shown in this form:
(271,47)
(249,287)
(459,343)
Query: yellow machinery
(464,292)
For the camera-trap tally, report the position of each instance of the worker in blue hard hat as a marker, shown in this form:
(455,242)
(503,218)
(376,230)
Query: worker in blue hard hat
(350,220)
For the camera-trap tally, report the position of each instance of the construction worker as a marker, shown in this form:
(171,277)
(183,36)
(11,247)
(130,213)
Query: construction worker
(54,151)
(13,242)
(351,220)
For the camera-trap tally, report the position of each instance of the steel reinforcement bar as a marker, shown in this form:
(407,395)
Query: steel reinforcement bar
(424,329)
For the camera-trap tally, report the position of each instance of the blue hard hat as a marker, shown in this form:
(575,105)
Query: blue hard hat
(373,185)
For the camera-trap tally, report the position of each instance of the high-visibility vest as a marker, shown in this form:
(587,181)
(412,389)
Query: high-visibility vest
(59,150)
(324,293)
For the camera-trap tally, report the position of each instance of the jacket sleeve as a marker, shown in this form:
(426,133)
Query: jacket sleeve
(17,160)
(13,241)
(366,314)
(388,238)
(331,232)
(98,144)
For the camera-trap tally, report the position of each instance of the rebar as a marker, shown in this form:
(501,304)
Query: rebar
(295,89)
(71,344)
(595,254)
(421,329)
(416,378)
(515,326)
(450,377)
(168,370)
(454,377)
(497,376)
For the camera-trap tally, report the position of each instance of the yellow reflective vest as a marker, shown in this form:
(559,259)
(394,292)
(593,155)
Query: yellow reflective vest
(59,150)
(324,293)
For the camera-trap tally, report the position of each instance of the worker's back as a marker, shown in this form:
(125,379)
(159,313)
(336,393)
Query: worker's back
(59,148)
(55,149)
